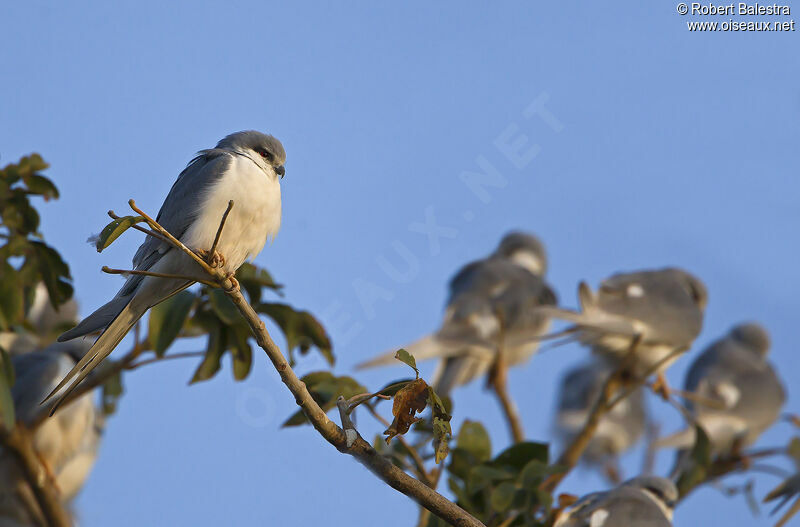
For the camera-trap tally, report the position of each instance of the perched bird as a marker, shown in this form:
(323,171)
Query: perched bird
(663,308)
(244,167)
(491,304)
(618,430)
(66,445)
(640,502)
(743,391)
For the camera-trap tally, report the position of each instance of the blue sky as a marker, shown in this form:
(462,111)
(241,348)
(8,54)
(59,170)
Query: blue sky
(656,147)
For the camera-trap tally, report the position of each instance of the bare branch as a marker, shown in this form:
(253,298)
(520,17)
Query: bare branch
(570,457)
(419,464)
(350,431)
(360,449)
(219,229)
(171,239)
(498,381)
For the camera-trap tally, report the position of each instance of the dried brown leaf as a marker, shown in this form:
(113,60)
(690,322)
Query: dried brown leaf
(409,401)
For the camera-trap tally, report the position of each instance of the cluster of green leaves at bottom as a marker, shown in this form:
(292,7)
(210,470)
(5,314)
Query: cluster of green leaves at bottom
(503,489)
(25,259)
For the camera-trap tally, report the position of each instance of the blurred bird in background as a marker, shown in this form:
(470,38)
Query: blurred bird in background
(67,444)
(662,308)
(744,394)
(639,502)
(618,430)
(490,306)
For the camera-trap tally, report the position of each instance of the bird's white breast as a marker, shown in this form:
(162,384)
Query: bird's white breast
(256,213)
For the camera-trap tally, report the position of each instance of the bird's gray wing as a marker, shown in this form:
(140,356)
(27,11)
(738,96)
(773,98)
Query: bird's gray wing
(664,301)
(180,207)
(37,373)
(621,507)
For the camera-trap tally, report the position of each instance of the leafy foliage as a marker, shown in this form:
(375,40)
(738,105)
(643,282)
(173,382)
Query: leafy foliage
(325,388)
(507,486)
(25,260)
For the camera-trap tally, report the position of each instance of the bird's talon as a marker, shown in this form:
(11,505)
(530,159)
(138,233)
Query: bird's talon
(234,283)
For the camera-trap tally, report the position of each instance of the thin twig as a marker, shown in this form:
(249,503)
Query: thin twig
(350,431)
(219,230)
(174,241)
(107,269)
(498,380)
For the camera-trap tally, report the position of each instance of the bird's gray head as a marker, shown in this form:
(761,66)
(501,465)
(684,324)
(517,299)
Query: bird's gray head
(752,336)
(524,250)
(265,151)
(661,489)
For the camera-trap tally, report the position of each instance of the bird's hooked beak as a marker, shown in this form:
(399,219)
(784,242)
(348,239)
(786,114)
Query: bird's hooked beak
(280,171)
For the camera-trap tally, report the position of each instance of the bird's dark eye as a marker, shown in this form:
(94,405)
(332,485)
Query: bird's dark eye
(265,154)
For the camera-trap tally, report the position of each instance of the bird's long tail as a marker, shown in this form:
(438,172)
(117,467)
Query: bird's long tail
(428,347)
(101,349)
(590,316)
(458,370)
(681,439)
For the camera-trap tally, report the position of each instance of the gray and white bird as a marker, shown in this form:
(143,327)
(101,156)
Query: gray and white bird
(663,307)
(642,502)
(491,300)
(744,394)
(67,444)
(245,167)
(618,430)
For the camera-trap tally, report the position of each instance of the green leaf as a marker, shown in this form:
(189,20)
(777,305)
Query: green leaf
(393,387)
(12,306)
(167,319)
(502,496)
(223,307)
(54,272)
(483,476)
(474,438)
(6,405)
(253,280)
(300,328)
(700,456)
(325,388)
(406,358)
(520,454)
(41,185)
(217,339)
(113,230)
(533,474)
(112,391)
(461,494)
(7,366)
(238,336)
